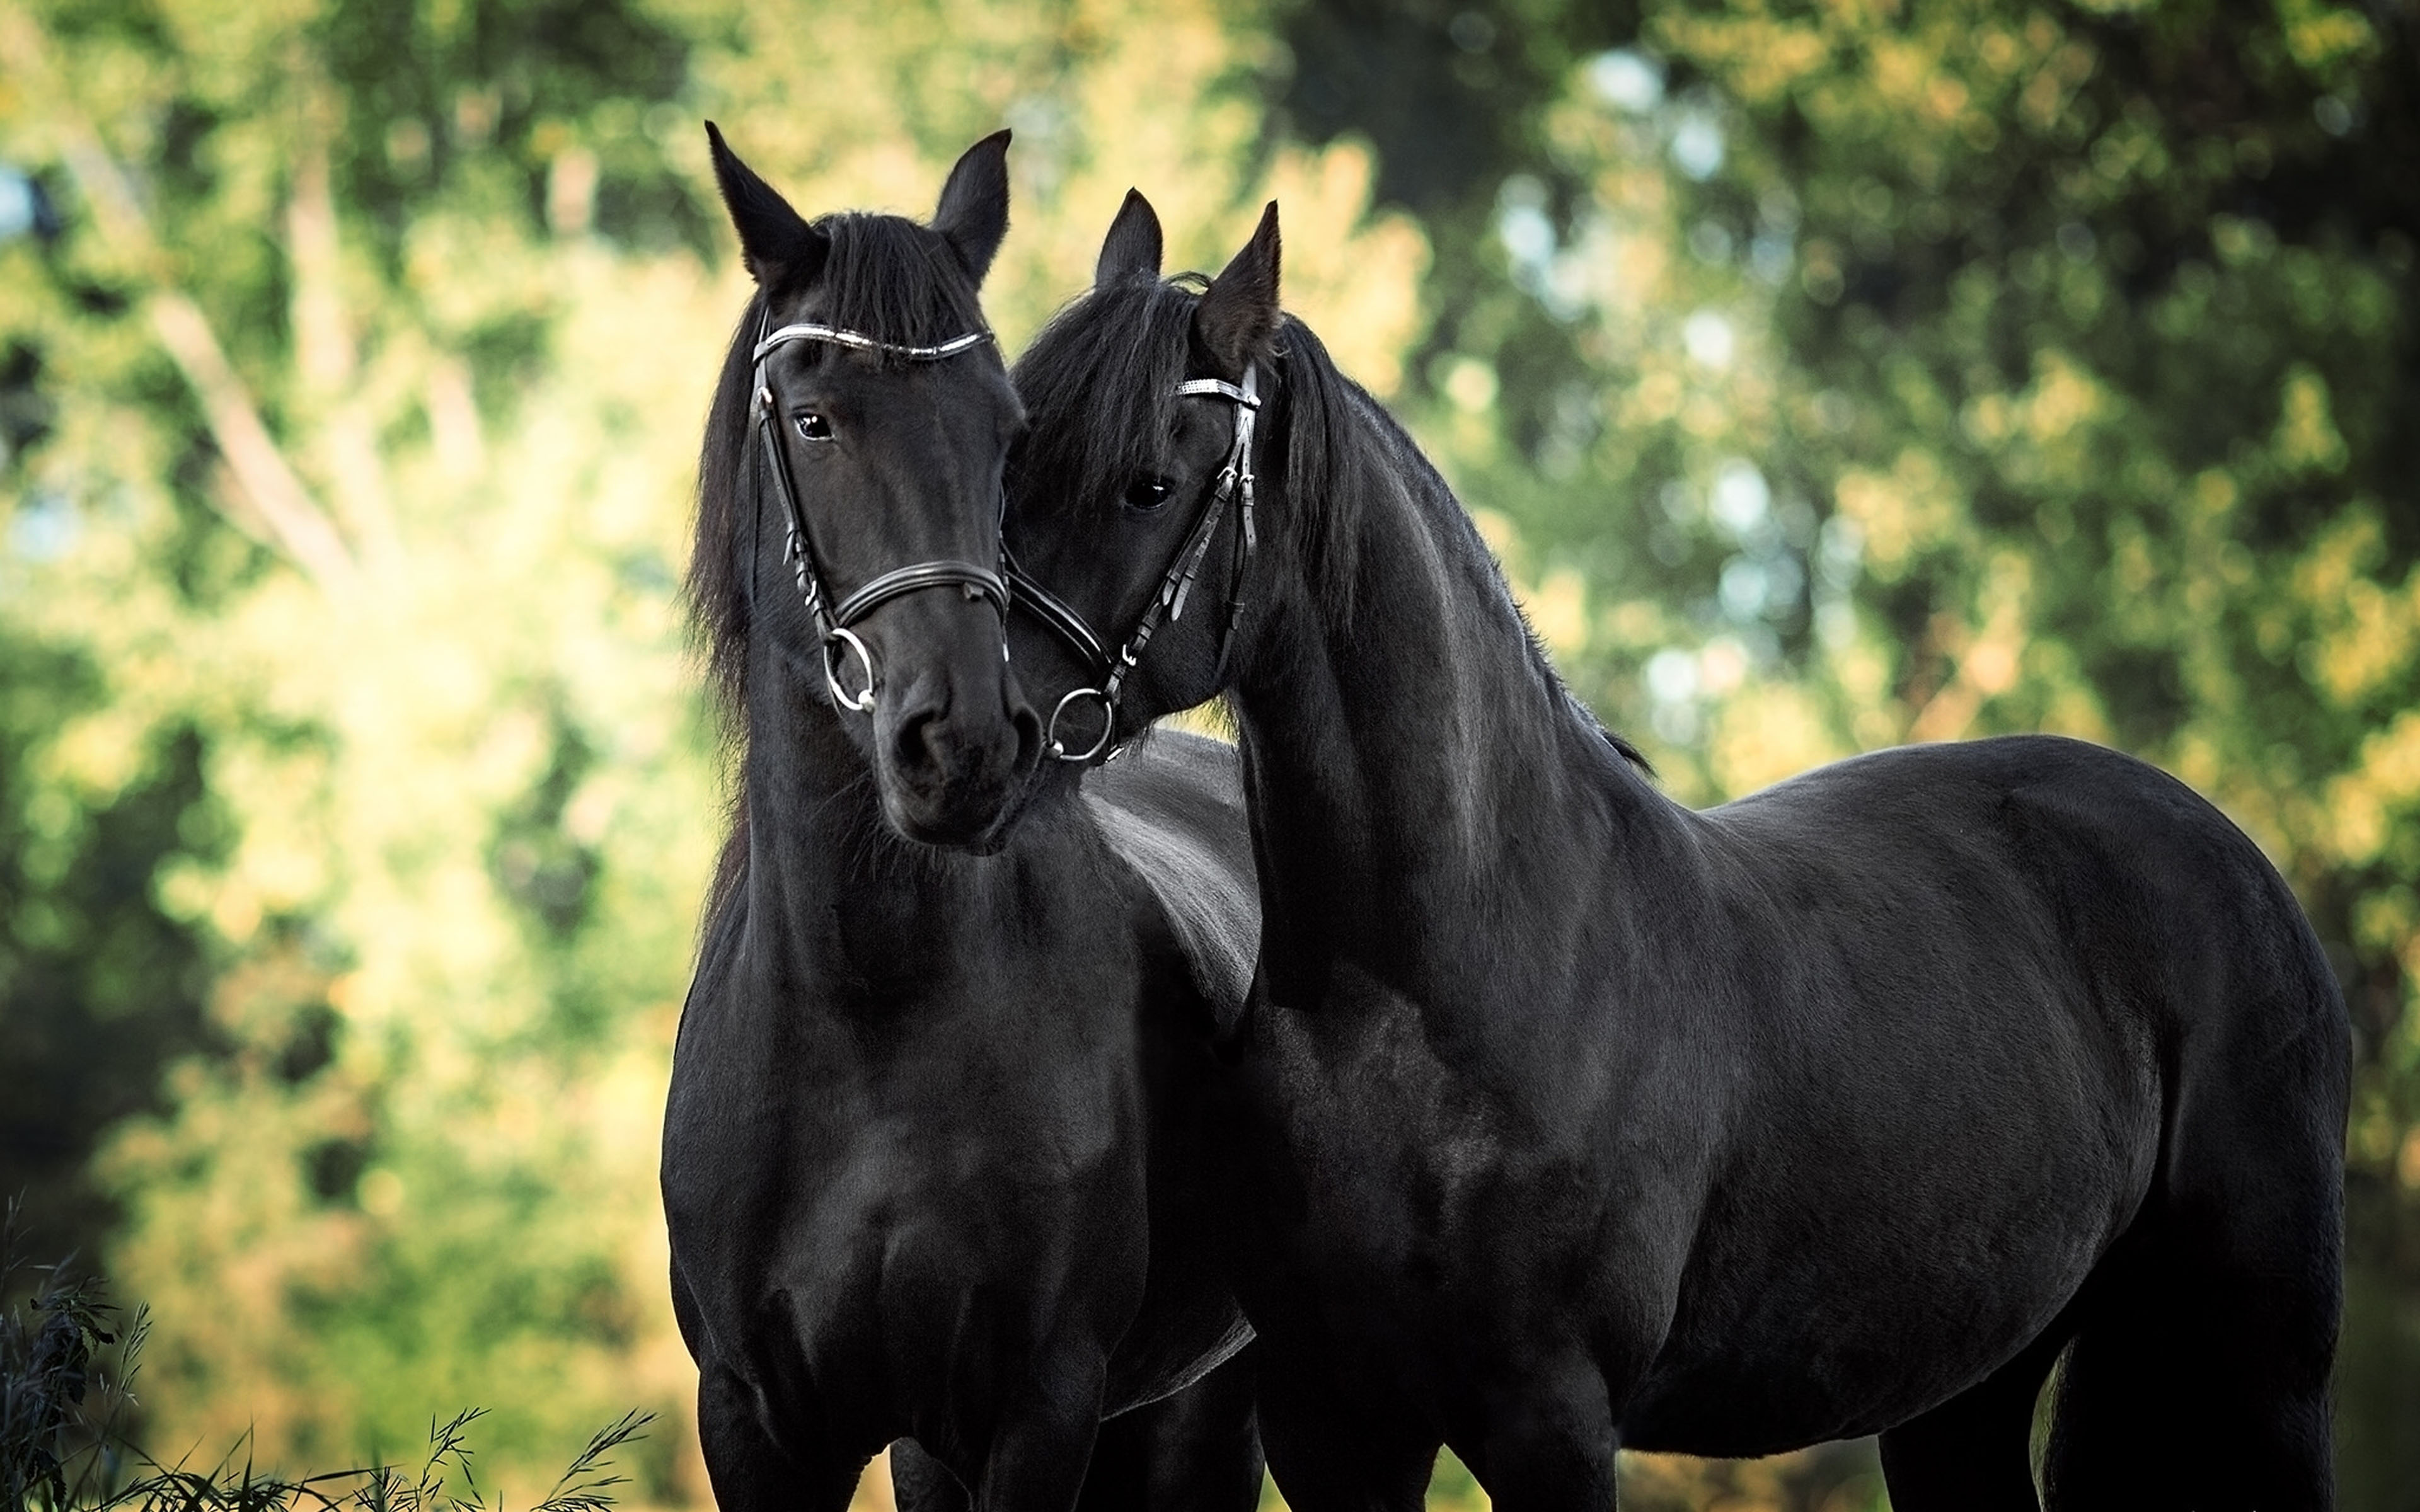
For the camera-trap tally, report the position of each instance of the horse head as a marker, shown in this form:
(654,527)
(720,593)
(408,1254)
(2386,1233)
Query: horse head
(850,550)
(1137,497)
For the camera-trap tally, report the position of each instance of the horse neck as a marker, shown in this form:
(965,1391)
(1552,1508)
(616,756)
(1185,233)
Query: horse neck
(818,846)
(1411,757)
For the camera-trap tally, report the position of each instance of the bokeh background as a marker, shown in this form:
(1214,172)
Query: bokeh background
(1827,374)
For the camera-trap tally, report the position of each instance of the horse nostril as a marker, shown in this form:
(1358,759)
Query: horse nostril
(912,743)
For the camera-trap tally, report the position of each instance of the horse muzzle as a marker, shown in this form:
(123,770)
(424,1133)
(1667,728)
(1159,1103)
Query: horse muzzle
(953,748)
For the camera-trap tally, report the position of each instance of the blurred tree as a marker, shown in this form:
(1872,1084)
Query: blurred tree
(99,988)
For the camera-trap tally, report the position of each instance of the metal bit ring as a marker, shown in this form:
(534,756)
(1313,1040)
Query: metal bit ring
(862,703)
(1108,724)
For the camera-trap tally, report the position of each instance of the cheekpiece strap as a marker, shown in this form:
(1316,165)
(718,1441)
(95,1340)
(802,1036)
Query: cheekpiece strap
(1236,485)
(832,622)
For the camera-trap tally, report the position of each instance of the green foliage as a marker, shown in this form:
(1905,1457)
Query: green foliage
(65,1447)
(99,987)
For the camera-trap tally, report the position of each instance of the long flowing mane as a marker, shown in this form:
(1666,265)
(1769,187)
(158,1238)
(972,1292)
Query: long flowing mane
(1114,356)
(885,276)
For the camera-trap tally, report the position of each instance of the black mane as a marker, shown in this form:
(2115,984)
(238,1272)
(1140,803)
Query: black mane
(1115,356)
(885,276)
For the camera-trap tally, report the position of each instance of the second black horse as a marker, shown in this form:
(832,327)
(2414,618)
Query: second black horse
(1569,1118)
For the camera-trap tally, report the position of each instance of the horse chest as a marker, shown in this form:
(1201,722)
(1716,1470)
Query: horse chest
(1403,1184)
(870,1217)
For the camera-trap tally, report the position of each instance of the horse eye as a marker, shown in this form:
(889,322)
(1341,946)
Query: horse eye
(1148,493)
(814,428)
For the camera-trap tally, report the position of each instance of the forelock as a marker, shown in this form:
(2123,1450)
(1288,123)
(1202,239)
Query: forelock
(1099,385)
(898,281)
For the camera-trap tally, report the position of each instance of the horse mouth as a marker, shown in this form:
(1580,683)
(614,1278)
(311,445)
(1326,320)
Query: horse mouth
(973,827)
(970,804)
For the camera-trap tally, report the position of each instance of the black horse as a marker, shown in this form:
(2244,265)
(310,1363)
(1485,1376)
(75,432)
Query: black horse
(1566,1118)
(926,1164)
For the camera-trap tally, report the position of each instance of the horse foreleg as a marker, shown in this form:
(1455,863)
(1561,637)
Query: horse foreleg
(1043,1441)
(1197,1451)
(1331,1449)
(1549,1444)
(919,1483)
(750,1470)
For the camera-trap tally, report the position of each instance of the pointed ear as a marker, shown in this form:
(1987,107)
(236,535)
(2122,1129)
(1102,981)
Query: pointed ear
(1131,249)
(974,213)
(1237,317)
(780,247)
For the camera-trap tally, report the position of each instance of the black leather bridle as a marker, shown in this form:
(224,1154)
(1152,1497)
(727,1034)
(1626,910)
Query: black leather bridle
(1011,587)
(1235,483)
(832,622)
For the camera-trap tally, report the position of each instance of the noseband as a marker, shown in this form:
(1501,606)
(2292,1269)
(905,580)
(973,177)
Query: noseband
(832,622)
(1167,605)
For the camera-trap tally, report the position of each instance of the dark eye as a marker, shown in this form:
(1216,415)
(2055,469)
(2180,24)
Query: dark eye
(1148,493)
(813,428)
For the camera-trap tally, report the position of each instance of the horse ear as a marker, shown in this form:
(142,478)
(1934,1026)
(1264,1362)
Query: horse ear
(974,213)
(778,244)
(1131,249)
(1237,317)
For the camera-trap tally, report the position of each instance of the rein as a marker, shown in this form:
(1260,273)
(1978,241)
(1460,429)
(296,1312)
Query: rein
(1167,605)
(832,622)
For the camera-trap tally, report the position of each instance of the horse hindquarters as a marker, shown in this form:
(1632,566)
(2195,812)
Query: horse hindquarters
(2199,1384)
(2199,1379)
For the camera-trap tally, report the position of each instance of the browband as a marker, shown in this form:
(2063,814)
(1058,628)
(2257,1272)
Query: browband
(859,341)
(1224,390)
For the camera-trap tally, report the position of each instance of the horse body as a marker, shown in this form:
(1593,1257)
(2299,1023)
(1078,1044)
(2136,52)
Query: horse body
(1566,1119)
(930,1170)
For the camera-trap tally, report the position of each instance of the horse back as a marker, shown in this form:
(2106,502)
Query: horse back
(2103,867)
